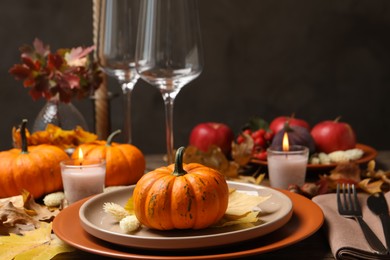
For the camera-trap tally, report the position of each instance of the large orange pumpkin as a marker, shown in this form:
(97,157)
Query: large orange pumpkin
(34,168)
(181,196)
(125,163)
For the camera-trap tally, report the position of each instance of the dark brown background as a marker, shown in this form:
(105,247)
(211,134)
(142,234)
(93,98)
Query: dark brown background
(318,59)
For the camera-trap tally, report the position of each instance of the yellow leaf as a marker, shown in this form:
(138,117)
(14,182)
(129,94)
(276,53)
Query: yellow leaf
(46,251)
(248,220)
(16,200)
(37,244)
(260,178)
(241,209)
(371,187)
(12,245)
(130,205)
(241,203)
(55,135)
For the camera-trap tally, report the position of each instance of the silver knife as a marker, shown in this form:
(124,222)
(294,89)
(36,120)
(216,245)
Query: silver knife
(377,204)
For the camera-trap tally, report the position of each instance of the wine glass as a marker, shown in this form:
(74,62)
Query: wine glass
(115,51)
(169,51)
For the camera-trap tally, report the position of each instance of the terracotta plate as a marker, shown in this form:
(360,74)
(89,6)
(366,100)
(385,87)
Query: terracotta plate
(301,225)
(102,225)
(369,154)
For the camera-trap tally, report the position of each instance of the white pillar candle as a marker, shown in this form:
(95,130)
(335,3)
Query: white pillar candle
(287,167)
(82,178)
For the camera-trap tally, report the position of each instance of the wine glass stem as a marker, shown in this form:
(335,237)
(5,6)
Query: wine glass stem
(127,114)
(169,99)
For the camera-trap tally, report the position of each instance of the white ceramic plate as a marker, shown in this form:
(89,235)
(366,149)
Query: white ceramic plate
(102,225)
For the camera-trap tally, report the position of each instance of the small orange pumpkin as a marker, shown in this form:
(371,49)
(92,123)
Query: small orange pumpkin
(181,196)
(125,163)
(33,168)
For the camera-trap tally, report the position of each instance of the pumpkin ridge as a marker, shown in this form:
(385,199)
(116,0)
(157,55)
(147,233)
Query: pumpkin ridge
(9,183)
(38,169)
(216,189)
(158,206)
(53,180)
(128,164)
(25,168)
(183,204)
(203,194)
(138,163)
(193,200)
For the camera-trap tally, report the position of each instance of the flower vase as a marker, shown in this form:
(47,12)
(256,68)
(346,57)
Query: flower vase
(64,115)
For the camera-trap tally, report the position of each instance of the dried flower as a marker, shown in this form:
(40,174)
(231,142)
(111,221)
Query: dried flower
(117,211)
(65,74)
(54,199)
(129,224)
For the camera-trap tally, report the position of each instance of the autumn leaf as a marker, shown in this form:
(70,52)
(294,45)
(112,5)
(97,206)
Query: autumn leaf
(130,205)
(242,153)
(213,158)
(241,209)
(240,203)
(371,187)
(12,219)
(46,251)
(26,215)
(38,211)
(343,173)
(55,135)
(16,200)
(36,244)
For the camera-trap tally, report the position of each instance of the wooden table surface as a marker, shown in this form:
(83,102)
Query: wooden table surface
(314,247)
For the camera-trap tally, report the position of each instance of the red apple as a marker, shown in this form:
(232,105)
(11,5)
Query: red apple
(278,123)
(331,136)
(211,133)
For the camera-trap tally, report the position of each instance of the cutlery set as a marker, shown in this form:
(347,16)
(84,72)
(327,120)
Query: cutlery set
(348,206)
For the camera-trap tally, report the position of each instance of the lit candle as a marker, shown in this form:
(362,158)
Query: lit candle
(287,164)
(82,177)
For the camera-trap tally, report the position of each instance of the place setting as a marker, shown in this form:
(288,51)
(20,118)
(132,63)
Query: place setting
(366,236)
(289,226)
(273,213)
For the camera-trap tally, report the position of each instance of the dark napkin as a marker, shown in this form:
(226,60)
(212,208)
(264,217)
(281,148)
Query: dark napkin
(345,236)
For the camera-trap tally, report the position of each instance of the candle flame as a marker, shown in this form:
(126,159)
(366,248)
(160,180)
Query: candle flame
(81,156)
(285,144)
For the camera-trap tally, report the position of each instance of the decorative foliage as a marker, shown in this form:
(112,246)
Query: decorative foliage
(21,213)
(54,135)
(65,74)
(33,244)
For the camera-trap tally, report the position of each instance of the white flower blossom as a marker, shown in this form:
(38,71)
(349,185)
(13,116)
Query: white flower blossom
(129,224)
(54,199)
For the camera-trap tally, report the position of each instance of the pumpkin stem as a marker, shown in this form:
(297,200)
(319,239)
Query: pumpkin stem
(23,136)
(111,136)
(179,171)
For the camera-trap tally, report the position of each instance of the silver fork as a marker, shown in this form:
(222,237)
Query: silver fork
(349,207)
